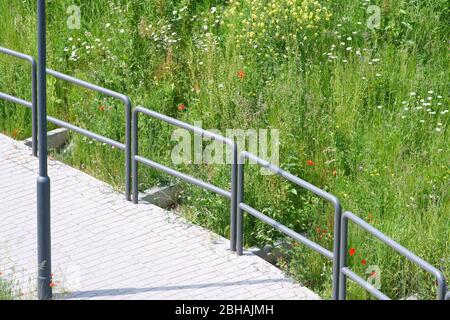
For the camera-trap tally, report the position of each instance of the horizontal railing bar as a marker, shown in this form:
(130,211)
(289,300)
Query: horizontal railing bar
(401,250)
(66,125)
(18,55)
(364,284)
(282,228)
(88,85)
(300,182)
(183,125)
(183,176)
(391,243)
(15,100)
(86,133)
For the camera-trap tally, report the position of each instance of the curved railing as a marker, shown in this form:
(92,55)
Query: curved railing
(136,159)
(126,147)
(31,105)
(242,206)
(346,272)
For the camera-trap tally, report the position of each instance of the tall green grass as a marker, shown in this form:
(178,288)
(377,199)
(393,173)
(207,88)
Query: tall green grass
(342,110)
(6,292)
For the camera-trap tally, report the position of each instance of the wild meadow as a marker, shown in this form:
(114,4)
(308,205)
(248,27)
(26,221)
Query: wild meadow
(361,103)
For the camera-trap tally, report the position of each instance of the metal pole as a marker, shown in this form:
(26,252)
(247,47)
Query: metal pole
(34,127)
(134,153)
(128,148)
(43,181)
(234,202)
(239,212)
(343,259)
(336,248)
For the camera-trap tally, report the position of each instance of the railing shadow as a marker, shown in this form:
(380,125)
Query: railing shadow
(131,291)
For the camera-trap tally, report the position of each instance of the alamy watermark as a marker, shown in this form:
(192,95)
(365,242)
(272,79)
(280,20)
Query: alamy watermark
(74,19)
(374,278)
(191,148)
(374,19)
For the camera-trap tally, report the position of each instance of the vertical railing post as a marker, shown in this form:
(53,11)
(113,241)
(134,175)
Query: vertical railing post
(128,148)
(239,213)
(43,181)
(34,112)
(336,247)
(134,152)
(234,202)
(343,259)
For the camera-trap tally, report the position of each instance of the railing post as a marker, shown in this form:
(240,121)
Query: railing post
(234,202)
(134,152)
(343,259)
(336,248)
(34,112)
(127,148)
(43,181)
(239,213)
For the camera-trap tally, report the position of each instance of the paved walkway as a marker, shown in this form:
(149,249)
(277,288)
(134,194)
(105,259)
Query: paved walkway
(107,248)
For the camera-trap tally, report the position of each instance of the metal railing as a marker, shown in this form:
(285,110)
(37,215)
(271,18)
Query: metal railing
(242,206)
(346,272)
(236,194)
(136,159)
(121,146)
(31,105)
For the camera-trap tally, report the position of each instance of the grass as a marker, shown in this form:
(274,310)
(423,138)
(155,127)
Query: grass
(6,291)
(343,96)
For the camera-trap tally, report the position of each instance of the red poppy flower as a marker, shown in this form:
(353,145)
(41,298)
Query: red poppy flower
(363,262)
(373,274)
(352,252)
(241,74)
(181,107)
(310,163)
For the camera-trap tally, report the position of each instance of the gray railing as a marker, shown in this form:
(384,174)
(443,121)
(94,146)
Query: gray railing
(31,105)
(121,146)
(334,256)
(235,194)
(346,272)
(126,147)
(136,159)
